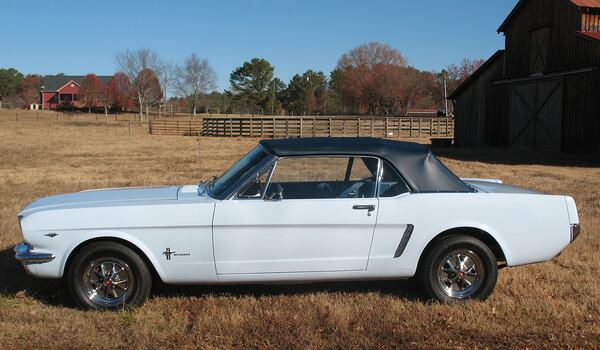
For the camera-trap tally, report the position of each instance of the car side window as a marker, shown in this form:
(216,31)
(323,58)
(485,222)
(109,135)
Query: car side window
(323,178)
(392,184)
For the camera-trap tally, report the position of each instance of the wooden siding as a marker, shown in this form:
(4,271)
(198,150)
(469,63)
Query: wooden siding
(556,108)
(474,109)
(566,49)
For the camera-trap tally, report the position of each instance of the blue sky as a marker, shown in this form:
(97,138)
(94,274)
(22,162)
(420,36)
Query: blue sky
(79,37)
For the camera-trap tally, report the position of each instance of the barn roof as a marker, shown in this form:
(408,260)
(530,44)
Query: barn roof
(498,54)
(515,10)
(55,82)
(590,35)
(421,169)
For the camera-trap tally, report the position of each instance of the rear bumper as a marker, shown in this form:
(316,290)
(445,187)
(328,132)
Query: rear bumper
(575,231)
(24,254)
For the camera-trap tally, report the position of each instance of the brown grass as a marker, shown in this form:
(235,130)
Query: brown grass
(550,305)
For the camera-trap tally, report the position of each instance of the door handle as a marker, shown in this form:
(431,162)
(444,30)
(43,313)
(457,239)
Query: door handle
(369,207)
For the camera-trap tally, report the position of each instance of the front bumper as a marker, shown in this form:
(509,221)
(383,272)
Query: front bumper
(24,254)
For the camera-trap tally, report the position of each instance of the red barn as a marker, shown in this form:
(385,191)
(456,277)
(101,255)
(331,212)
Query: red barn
(61,91)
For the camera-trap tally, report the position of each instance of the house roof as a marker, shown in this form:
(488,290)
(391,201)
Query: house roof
(421,169)
(498,54)
(55,82)
(515,10)
(591,35)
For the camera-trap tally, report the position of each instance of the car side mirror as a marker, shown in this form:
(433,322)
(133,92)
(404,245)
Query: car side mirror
(276,195)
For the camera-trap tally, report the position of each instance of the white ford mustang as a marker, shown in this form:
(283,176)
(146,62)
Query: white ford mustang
(298,210)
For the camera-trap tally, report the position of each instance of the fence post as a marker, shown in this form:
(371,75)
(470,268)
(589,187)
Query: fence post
(251,127)
(358,127)
(230,127)
(329,127)
(386,127)
(314,127)
(431,127)
(287,128)
(410,131)
(300,127)
(372,126)
(273,128)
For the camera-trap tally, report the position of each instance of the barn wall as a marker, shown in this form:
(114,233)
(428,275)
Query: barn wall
(581,118)
(474,108)
(566,49)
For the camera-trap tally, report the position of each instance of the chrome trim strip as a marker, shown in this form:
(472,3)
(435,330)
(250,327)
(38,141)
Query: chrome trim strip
(404,241)
(23,254)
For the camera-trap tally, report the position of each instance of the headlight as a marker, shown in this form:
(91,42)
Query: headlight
(575,230)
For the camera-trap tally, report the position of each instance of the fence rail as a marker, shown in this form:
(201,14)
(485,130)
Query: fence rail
(294,127)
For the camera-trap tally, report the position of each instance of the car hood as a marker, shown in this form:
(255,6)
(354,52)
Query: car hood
(101,197)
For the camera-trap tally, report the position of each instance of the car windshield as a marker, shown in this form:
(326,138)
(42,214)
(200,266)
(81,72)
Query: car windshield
(237,171)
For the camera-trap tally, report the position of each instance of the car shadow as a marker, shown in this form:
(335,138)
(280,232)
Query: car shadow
(15,282)
(510,156)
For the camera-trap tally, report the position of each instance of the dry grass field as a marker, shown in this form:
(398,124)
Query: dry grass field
(550,305)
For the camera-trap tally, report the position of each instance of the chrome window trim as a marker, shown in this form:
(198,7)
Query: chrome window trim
(235,194)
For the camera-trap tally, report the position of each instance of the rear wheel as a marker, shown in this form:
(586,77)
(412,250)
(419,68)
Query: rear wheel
(108,276)
(458,268)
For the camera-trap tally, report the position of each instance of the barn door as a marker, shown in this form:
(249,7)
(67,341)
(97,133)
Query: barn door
(535,120)
(539,50)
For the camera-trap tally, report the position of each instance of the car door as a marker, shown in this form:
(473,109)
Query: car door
(314,214)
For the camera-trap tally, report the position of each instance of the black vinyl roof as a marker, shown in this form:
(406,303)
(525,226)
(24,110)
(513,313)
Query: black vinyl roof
(421,169)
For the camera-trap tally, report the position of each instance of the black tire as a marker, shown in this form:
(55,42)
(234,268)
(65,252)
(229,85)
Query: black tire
(440,280)
(129,287)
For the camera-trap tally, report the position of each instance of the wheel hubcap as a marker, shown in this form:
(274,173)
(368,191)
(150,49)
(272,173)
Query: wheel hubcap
(108,281)
(460,274)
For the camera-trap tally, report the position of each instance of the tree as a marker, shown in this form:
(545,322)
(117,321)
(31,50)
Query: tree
(251,82)
(148,84)
(29,89)
(119,92)
(90,92)
(166,74)
(194,78)
(370,78)
(140,67)
(306,93)
(10,80)
(462,71)
(276,91)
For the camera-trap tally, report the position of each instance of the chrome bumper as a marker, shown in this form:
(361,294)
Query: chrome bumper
(23,254)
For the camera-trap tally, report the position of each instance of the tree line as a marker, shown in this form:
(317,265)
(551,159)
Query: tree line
(373,78)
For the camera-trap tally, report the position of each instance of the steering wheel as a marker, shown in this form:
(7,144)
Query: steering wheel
(324,190)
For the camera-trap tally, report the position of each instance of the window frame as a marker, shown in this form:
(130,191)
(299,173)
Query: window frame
(275,160)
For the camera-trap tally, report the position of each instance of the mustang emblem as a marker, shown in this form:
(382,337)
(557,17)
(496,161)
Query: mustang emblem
(167,253)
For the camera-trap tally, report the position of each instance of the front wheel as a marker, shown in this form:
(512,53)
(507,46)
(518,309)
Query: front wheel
(458,268)
(108,276)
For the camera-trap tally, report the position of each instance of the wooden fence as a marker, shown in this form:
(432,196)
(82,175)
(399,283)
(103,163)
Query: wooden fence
(293,127)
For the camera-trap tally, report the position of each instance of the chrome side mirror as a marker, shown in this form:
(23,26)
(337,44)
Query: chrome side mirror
(277,195)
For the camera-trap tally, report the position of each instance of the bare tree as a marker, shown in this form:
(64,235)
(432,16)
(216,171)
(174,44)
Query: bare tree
(166,74)
(136,65)
(195,77)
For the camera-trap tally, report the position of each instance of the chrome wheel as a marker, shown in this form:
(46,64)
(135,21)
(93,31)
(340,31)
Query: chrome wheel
(460,274)
(108,281)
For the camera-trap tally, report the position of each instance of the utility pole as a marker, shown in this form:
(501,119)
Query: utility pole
(273,99)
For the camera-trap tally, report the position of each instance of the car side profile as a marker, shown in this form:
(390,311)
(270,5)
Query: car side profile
(298,210)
